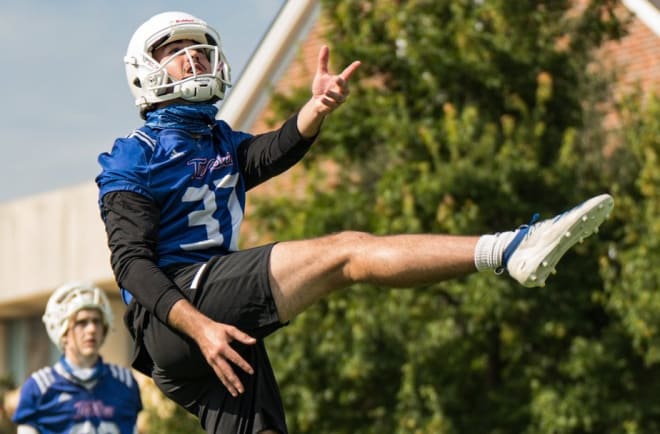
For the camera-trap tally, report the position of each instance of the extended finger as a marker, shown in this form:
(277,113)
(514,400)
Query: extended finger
(239,361)
(350,69)
(324,55)
(238,335)
(228,378)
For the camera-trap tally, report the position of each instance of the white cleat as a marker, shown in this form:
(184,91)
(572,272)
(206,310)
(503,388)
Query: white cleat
(536,248)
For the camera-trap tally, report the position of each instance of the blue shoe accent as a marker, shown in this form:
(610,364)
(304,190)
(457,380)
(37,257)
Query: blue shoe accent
(536,249)
(513,245)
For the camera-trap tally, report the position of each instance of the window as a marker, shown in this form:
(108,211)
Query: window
(27,348)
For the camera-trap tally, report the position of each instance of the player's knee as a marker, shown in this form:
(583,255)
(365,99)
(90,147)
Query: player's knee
(352,246)
(350,241)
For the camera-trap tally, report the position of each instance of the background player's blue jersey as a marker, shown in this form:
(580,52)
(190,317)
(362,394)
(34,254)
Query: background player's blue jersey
(52,403)
(194,179)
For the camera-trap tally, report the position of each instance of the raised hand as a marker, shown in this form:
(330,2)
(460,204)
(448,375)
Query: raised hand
(329,91)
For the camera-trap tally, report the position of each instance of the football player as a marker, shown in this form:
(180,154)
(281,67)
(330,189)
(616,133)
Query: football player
(172,197)
(80,393)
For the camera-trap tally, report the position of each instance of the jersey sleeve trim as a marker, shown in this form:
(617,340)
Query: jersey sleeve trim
(122,374)
(44,378)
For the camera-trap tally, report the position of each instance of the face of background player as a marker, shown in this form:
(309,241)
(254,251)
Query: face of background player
(84,338)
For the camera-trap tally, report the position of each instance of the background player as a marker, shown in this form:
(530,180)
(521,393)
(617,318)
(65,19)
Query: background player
(80,394)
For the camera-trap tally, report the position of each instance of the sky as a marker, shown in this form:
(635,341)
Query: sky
(65,98)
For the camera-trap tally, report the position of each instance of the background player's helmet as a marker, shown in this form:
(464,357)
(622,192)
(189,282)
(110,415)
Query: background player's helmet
(148,80)
(66,301)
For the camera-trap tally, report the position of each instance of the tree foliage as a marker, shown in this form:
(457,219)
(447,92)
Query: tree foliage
(467,117)
(162,415)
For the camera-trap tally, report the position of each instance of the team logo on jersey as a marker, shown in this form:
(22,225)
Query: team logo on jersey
(202,166)
(93,408)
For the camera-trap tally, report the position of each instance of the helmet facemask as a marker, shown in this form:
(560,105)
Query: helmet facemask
(148,79)
(199,86)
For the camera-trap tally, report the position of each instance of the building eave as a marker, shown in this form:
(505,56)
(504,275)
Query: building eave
(248,96)
(646,12)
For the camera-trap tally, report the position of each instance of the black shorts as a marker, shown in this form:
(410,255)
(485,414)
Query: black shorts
(232,289)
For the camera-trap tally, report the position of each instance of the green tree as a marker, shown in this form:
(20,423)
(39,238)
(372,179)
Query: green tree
(162,415)
(469,116)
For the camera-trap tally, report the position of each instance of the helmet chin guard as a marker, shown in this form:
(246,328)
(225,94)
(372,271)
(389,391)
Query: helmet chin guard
(149,81)
(66,301)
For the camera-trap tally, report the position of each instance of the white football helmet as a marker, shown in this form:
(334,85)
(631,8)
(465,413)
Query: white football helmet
(149,81)
(66,301)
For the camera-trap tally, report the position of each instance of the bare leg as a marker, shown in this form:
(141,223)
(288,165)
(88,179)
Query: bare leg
(301,272)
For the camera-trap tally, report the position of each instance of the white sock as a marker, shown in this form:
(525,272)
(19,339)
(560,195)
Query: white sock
(490,249)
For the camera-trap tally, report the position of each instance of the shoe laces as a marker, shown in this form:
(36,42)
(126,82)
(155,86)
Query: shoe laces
(523,232)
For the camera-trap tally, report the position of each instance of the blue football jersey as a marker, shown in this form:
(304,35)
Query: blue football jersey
(195,180)
(51,403)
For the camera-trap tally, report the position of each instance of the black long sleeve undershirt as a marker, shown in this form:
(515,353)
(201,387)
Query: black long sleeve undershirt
(132,220)
(267,155)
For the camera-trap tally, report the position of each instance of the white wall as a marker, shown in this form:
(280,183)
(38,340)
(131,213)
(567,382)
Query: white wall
(48,240)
